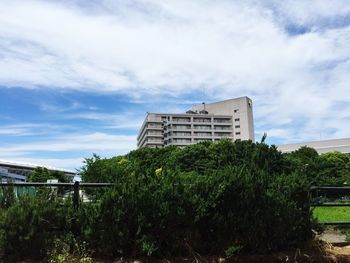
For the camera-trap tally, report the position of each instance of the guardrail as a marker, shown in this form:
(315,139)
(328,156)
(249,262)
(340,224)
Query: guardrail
(76,187)
(333,192)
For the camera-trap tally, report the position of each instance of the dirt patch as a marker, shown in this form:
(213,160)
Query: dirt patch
(333,236)
(319,252)
(339,256)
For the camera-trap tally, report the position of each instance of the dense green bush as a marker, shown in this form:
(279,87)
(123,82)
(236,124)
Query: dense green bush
(332,168)
(184,213)
(208,198)
(204,198)
(30,225)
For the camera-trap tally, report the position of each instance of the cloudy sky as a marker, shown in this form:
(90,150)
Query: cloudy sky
(77,77)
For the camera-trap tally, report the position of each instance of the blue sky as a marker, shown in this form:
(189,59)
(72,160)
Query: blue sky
(77,77)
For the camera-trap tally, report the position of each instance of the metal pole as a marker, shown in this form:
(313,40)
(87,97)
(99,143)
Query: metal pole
(76,195)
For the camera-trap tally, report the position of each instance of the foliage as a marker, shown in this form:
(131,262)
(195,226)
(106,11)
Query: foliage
(332,168)
(305,160)
(7,196)
(203,199)
(42,174)
(68,249)
(336,168)
(232,250)
(209,198)
(29,226)
(179,213)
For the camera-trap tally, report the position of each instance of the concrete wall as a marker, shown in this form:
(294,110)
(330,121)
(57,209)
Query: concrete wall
(239,108)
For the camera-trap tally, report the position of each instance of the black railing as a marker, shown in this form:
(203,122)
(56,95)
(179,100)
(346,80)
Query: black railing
(321,196)
(76,187)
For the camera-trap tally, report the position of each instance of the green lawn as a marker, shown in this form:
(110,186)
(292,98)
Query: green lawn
(334,214)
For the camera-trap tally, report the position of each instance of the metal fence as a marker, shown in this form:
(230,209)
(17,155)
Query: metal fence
(327,196)
(76,187)
(322,196)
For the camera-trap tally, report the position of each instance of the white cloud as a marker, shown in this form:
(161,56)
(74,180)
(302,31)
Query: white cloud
(25,129)
(105,145)
(99,142)
(14,130)
(56,108)
(110,120)
(150,48)
(309,12)
(33,129)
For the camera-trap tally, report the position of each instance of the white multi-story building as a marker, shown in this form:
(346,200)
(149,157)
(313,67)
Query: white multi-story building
(231,119)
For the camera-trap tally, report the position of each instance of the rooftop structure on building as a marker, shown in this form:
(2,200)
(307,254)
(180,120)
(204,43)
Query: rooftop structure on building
(231,119)
(19,172)
(324,146)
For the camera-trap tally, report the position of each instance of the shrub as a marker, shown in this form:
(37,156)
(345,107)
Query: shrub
(29,227)
(179,213)
(209,198)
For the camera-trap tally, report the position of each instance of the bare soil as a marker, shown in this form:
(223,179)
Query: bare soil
(318,253)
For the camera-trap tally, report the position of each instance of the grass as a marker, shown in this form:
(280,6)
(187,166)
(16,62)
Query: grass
(332,214)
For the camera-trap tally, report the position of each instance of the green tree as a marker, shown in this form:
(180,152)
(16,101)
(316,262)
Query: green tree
(336,168)
(42,174)
(306,161)
(39,174)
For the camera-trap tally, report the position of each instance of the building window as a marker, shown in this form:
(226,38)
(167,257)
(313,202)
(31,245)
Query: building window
(237,119)
(237,126)
(236,110)
(237,133)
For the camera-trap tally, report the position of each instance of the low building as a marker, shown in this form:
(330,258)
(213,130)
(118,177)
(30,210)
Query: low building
(324,146)
(19,172)
(231,119)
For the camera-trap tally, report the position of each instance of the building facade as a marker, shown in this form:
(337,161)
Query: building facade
(324,146)
(231,119)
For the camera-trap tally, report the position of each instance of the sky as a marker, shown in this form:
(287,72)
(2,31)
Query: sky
(77,77)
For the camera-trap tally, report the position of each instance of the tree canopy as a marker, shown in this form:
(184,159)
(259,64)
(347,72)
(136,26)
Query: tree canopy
(42,174)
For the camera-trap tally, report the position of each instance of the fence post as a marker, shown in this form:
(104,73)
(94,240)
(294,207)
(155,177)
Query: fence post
(76,194)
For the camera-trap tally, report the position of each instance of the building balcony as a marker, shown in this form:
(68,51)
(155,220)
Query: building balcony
(179,135)
(223,135)
(223,124)
(154,127)
(179,143)
(222,129)
(222,121)
(154,134)
(180,120)
(202,120)
(202,140)
(196,134)
(154,140)
(179,128)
